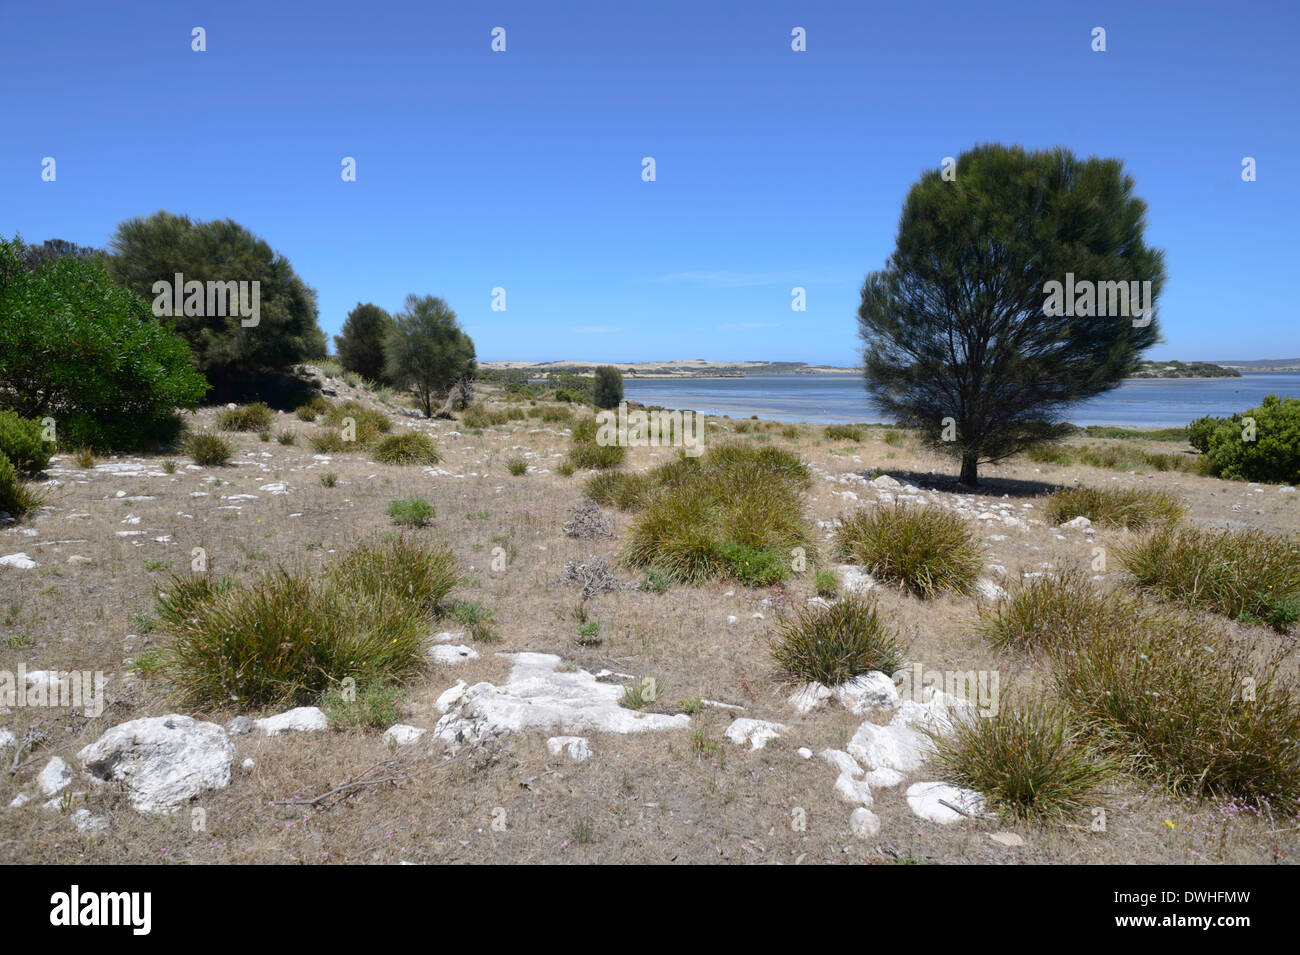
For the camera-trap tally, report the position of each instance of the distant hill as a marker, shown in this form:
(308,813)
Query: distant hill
(1264,364)
(1179,369)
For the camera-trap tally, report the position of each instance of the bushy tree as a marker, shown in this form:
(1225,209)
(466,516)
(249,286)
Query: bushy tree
(607,391)
(958,341)
(426,350)
(232,356)
(1262,444)
(51,250)
(360,347)
(78,348)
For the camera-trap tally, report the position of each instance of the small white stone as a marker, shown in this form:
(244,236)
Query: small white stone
(757,733)
(577,746)
(864,823)
(301,719)
(54,777)
(401,734)
(20,561)
(445,654)
(927,801)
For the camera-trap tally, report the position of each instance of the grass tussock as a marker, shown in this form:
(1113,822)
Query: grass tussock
(408,447)
(1133,508)
(209,450)
(254,417)
(411,511)
(586,452)
(833,644)
(1031,762)
(1249,575)
(928,551)
(733,512)
(290,636)
(844,432)
(1041,613)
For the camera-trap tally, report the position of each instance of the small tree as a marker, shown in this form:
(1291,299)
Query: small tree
(78,348)
(960,340)
(608,389)
(361,345)
(426,350)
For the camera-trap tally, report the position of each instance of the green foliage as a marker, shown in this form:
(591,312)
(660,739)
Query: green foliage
(209,450)
(408,447)
(927,550)
(1041,613)
(1134,508)
(375,705)
(426,350)
(477,616)
(607,389)
(586,451)
(752,566)
(1270,451)
(833,644)
(1030,762)
(228,353)
(843,432)
(360,347)
(411,511)
(22,444)
(517,466)
(16,498)
(955,326)
(78,348)
(826,584)
(254,417)
(1250,574)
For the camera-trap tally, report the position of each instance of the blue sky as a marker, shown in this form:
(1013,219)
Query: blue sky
(522,169)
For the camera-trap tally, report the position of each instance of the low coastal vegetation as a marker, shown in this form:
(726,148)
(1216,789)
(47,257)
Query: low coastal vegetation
(1132,508)
(928,551)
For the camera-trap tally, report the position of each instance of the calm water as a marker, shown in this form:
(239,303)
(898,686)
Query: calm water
(841,398)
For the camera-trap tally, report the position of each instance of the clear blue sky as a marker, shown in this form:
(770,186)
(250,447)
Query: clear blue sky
(523,169)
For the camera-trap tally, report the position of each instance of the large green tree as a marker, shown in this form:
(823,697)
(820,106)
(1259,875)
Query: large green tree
(232,355)
(78,348)
(360,347)
(961,336)
(426,350)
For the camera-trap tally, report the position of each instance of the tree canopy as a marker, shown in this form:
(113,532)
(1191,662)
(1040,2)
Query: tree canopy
(426,350)
(360,347)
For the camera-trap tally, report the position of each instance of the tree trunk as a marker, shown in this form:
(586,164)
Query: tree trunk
(969,470)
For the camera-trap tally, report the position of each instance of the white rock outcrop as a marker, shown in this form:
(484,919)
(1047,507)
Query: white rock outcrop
(757,733)
(162,761)
(577,747)
(301,719)
(402,734)
(928,801)
(54,778)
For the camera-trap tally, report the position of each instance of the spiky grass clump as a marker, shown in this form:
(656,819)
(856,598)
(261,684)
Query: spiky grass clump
(1040,613)
(833,644)
(1189,705)
(1133,508)
(209,450)
(733,512)
(369,423)
(254,417)
(928,550)
(844,432)
(1252,575)
(287,637)
(16,497)
(409,447)
(517,467)
(1031,762)
(586,451)
(329,441)
(411,511)
(627,492)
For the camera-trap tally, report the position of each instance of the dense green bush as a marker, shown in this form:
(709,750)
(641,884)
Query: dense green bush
(16,498)
(21,442)
(361,344)
(1270,451)
(607,390)
(76,347)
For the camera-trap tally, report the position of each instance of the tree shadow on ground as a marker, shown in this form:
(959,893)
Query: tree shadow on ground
(988,486)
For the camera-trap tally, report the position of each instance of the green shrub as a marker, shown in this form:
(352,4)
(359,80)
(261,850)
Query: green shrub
(517,466)
(616,489)
(556,416)
(927,550)
(411,511)
(607,388)
(843,432)
(1249,574)
(833,644)
(754,567)
(327,441)
(586,452)
(77,347)
(368,422)
(22,444)
(254,417)
(409,447)
(209,450)
(1133,508)
(329,479)
(16,498)
(1030,762)
(375,705)
(1268,452)
(477,616)
(286,437)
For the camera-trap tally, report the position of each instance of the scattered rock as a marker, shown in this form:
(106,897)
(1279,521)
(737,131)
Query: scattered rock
(864,823)
(577,746)
(54,777)
(239,726)
(20,561)
(162,761)
(928,801)
(1007,839)
(757,733)
(302,719)
(87,822)
(402,734)
(1078,524)
(442,653)
(853,579)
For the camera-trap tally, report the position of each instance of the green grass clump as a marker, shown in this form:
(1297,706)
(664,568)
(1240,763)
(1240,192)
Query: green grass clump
(1041,613)
(477,616)
(286,437)
(552,415)
(1251,575)
(209,450)
(376,705)
(733,512)
(1031,762)
(254,417)
(517,466)
(479,416)
(625,491)
(411,511)
(369,422)
(586,452)
(1132,508)
(329,441)
(826,584)
(329,479)
(844,432)
(833,644)
(408,447)
(16,497)
(927,550)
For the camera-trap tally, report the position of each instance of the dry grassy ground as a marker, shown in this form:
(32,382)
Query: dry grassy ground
(649,797)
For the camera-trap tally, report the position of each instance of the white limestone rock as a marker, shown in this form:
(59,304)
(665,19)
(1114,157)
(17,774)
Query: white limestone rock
(927,801)
(448,655)
(757,733)
(301,719)
(402,734)
(577,746)
(19,561)
(55,777)
(854,580)
(864,823)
